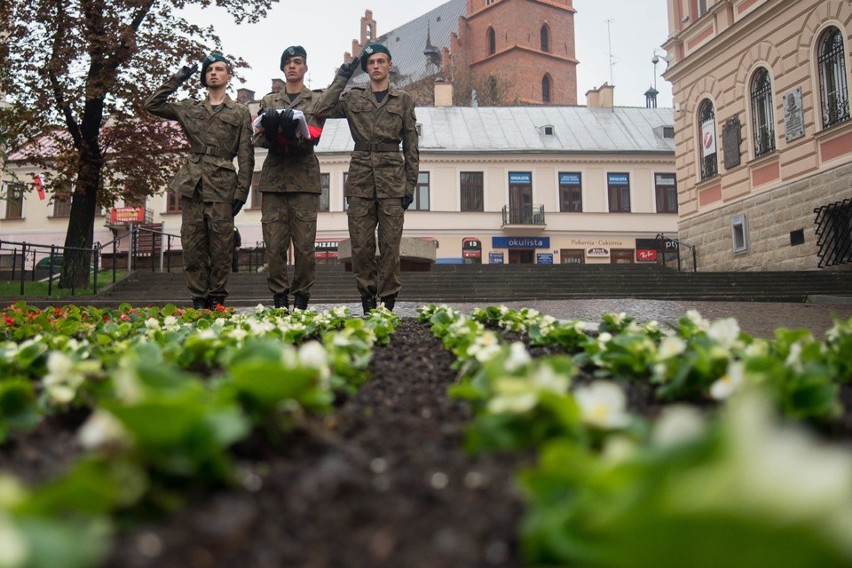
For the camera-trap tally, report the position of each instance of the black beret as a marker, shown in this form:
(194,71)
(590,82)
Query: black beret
(292,51)
(372,49)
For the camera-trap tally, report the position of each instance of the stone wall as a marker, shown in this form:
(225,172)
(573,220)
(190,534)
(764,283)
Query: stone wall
(770,216)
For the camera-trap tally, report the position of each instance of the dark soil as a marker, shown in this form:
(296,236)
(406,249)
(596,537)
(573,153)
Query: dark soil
(382,482)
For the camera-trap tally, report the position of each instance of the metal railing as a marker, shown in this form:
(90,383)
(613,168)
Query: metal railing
(530,215)
(667,245)
(834,233)
(31,254)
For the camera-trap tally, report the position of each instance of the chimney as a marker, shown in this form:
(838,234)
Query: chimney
(245,96)
(602,97)
(443,93)
(277,85)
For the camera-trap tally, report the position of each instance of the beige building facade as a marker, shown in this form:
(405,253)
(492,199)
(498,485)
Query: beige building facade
(763,131)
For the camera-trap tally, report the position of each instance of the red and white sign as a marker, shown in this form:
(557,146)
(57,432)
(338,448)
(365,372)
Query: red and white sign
(646,255)
(127,215)
(39,185)
(708,138)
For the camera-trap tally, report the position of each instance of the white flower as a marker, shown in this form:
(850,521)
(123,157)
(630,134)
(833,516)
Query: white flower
(794,358)
(725,331)
(518,357)
(485,348)
(313,355)
(729,382)
(671,346)
(603,405)
(699,322)
(544,378)
(206,334)
(238,334)
(618,449)
(171,323)
(14,552)
(676,424)
(513,395)
(100,430)
(152,324)
(62,380)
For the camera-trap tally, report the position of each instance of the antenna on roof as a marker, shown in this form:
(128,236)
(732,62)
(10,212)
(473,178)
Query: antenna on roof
(609,43)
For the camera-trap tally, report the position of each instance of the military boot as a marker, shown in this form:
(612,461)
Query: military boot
(281,301)
(214,301)
(300,301)
(368,303)
(199,303)
(389,301)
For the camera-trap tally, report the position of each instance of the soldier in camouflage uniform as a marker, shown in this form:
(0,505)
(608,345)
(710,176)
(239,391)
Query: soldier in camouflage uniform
(211,190)
(290,182)
(381,181)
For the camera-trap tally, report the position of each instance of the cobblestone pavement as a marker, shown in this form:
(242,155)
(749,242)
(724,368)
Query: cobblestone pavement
(759,319)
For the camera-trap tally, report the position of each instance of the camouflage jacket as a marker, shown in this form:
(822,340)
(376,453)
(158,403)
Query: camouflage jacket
(215,139)
(380,171)
(293,167)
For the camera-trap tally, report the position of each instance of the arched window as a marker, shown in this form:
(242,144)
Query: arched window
(707,138)
(545,89)
(833,91)
(369,32)
(762,117)
(545,38)
(492,41)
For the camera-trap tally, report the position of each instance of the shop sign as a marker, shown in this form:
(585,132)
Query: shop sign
(495,258)
(597,252)
(544,258)
(646,255)
(520,242)
(127,215)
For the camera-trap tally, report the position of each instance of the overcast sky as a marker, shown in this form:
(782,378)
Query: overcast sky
(326,28)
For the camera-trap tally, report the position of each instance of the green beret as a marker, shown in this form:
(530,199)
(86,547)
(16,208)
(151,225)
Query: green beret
(372,49)
(293,51)
(209,60)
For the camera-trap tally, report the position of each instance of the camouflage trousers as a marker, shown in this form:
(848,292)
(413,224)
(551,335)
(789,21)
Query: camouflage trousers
(290,217)
(207,238)
(376,278)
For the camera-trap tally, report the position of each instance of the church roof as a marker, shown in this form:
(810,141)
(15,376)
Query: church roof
(408,42)
(524,129)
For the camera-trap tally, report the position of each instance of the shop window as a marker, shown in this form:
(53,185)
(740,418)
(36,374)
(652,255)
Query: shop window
(833,91)
(472,190)
(763,123)
(572,256)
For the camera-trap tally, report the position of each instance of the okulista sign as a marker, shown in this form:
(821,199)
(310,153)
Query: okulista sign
(520,242)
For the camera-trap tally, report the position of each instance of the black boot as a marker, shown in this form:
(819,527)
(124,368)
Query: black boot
(281,301)
(369,304)
(389,301)
(214,301)
(199,303)
(300,301)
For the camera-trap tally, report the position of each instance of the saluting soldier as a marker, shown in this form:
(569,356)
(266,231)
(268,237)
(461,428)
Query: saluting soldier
(212,190)
(290,181)
(381,181)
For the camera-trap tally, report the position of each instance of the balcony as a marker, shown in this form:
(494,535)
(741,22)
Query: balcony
(532,215)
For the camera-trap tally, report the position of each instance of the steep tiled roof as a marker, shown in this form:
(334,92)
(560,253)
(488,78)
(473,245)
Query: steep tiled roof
(575,129)
(407,42)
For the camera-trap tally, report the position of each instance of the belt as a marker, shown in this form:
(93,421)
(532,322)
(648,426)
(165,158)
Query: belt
(366,147)
(206,150)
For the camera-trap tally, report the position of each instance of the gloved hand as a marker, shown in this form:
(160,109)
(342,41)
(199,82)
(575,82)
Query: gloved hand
(185,73)
(288,125)
(406,201)
(348,69)
(236,205)
(270,122)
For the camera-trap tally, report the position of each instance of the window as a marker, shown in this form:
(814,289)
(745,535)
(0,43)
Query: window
(256,194)
(833,90)
(739,233)
(62,205)
(545,38)
(325,183)
(618,189)
(570,192)
(421,193)
(763,124)
(707,138)
(472,191)
(702,7)
(665,188)
(491,40)
(345,201)
(520,198)
(545,89)
(172,201)
(14,200)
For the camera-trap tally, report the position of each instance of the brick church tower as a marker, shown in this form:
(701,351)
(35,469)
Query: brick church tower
(529,44)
